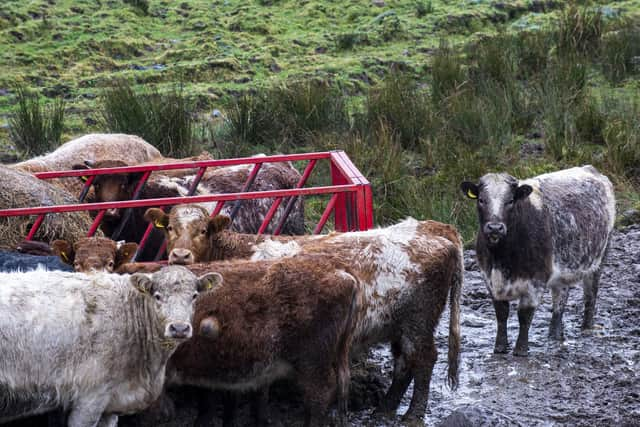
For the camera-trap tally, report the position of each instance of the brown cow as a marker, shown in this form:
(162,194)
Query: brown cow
(218,180)
(94,254)
(260,325)
(193,236)
(94,147)
(405,273)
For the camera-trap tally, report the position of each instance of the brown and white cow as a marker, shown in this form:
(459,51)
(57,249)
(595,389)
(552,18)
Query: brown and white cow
(193,236)
(96,345)
(405,272)
(260,325)
(94,254)
(219,180)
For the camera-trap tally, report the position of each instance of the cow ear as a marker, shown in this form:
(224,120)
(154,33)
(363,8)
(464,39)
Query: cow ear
(141,282)
(64,250)
(84,166)
(125,252)
(523,192)
(219,223)
(157,217)
(209,282)
(469,189)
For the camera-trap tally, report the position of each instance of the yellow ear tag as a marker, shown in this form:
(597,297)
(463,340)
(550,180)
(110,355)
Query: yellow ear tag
(471,194)
(158,224)
(209,286)
(84,178)
(64,256)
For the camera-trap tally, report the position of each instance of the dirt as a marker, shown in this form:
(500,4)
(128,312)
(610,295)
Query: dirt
(590,379)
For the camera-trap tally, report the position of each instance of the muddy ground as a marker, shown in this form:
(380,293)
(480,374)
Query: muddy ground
(591,379)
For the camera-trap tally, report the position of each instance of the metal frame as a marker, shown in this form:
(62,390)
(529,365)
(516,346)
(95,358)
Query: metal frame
(351,201)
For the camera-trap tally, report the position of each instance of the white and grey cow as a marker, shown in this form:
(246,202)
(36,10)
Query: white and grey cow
(548,231)
(95,345)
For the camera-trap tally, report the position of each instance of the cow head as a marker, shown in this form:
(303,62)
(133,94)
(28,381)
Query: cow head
(174,290)
(94,254)
(189,231)
(496,196)
(111,188)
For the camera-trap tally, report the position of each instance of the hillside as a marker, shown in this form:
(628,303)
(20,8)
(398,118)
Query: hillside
(217,50)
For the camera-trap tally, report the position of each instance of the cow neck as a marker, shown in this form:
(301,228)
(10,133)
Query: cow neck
(231,245)
(526,249)
(146,333)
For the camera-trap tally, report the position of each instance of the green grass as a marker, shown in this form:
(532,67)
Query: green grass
(420,94)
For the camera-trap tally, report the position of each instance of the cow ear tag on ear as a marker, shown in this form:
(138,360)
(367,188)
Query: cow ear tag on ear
(64,256)
(471,194)
(84,178)
(158,224)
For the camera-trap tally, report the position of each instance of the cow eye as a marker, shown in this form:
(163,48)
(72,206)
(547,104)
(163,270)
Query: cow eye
(203,231)
(157,296)
(169,228)
(195,295)
(480,201)
(509,203)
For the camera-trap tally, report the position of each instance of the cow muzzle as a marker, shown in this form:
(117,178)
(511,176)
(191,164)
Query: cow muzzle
(179,330)
(210,327)
(181,257)
(494,232)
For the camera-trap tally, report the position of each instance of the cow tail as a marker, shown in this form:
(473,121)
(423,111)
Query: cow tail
(454,319)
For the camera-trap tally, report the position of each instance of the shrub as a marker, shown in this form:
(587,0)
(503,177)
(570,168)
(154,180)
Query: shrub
(33,128)
(447,74)
(579,30)
(163,119)
(533,52)
(250,121)
(620,52)
(622,136)
(424,8)
(402,106)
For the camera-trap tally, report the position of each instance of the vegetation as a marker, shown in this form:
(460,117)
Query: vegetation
(421,95)
(35,129)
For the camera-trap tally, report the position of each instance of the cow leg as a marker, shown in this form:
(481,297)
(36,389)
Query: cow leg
(502,314)
(260,406)
(207,409)
(590,285)
(108,421)
(421,362)
(525,315)
(87,412)
(318,389)
(399,384)
(559,296)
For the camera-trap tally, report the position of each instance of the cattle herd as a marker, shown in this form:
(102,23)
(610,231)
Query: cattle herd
(236,311)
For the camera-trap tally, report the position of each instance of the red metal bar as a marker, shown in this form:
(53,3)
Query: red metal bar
(180,200)
(143,241)
(87,186)
(218,208)
(340,213)
(35,226)
(287,210)
(267,218)
(96,223)
(184,165)
(136,196)
(326,213)
(250,179)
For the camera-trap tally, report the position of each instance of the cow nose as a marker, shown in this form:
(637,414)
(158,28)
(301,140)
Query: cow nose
(495,228)
(180,330)
(181,257)
(210,327)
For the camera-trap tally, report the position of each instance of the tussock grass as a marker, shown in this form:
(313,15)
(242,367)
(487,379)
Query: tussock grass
(620,51)
(34,128)
(163,118)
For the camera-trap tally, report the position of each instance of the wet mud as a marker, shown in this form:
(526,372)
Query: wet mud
(590,379)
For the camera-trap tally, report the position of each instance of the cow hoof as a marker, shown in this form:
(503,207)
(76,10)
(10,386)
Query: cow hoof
(520,352)
(501,349)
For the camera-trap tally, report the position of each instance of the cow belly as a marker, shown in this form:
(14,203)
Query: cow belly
(16,404)
(131,397)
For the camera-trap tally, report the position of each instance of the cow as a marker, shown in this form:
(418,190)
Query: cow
(96,345)
(94,254)
(550,231)
(94,148)
(194,237)
(218,180)
(16,261)
(261,325)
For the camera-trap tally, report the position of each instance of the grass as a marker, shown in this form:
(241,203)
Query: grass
(420,94)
